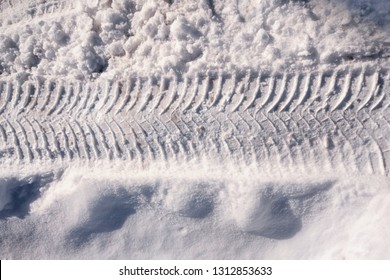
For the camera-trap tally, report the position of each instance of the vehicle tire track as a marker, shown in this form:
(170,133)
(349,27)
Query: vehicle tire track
(24,11)
(334,118)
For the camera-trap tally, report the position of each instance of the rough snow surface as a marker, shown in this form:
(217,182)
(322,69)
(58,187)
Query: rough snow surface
(85,39)
(194,129)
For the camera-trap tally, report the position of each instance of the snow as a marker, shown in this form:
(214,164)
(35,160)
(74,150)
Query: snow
(92,38)
(125,213)
(192,208)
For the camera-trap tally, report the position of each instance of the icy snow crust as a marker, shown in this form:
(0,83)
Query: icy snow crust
(194,129)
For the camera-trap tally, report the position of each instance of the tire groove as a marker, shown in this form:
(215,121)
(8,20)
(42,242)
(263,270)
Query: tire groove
(86,93)
(17,97)
(68,150)
(256,92)
(123,145)
(161,145)
(360,80)
(218,89)
(345,138)
(105,97)
(68,89)
(382,164)
(46,96)
(290,97)
(137,88)
(137,143)
(152,152)
(161,94)
(75,142)
(267,96)
(3,134)
(330,88)
(344,92)
(278,97)
(8,97)
(95,96)
(60,93)
(130,84)
(118,91)
(95,143)
(240,96)
(147,95)
(103,139)
(77,98)
(86,149)
(28,96)
(16,143)
(371,92)
(240,145)
(315,93)
(192,93)
(203,93)
(302,95)
(26,142)
(56,143)
(114,142)
(117,148)
(229,92)
(171,97)
(130,140)
(380,95)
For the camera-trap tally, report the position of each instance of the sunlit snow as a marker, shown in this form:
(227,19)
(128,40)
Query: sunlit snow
(194,129)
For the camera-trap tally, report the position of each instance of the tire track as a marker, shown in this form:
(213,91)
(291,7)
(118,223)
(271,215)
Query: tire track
(333,118)
(24,11)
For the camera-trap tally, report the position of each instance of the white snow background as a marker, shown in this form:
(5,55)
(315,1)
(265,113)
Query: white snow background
(190,209)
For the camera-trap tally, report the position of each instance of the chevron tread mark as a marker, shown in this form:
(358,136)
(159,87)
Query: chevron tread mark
(101,137)
(6,95)
(22,14)
(336,118)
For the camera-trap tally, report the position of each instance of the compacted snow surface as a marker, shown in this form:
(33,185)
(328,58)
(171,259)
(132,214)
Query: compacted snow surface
(195,129)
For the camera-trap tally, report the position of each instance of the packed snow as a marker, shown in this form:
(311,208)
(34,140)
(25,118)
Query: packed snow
(189,207)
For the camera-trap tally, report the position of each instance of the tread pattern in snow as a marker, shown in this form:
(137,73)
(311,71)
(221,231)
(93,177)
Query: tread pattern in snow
(23,10)
(337,119)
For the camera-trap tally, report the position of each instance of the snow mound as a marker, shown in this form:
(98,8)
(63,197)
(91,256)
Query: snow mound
(275,211)
(128,213)
(84,39)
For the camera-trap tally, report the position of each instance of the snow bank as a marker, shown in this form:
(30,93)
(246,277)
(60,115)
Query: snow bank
(84,39)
